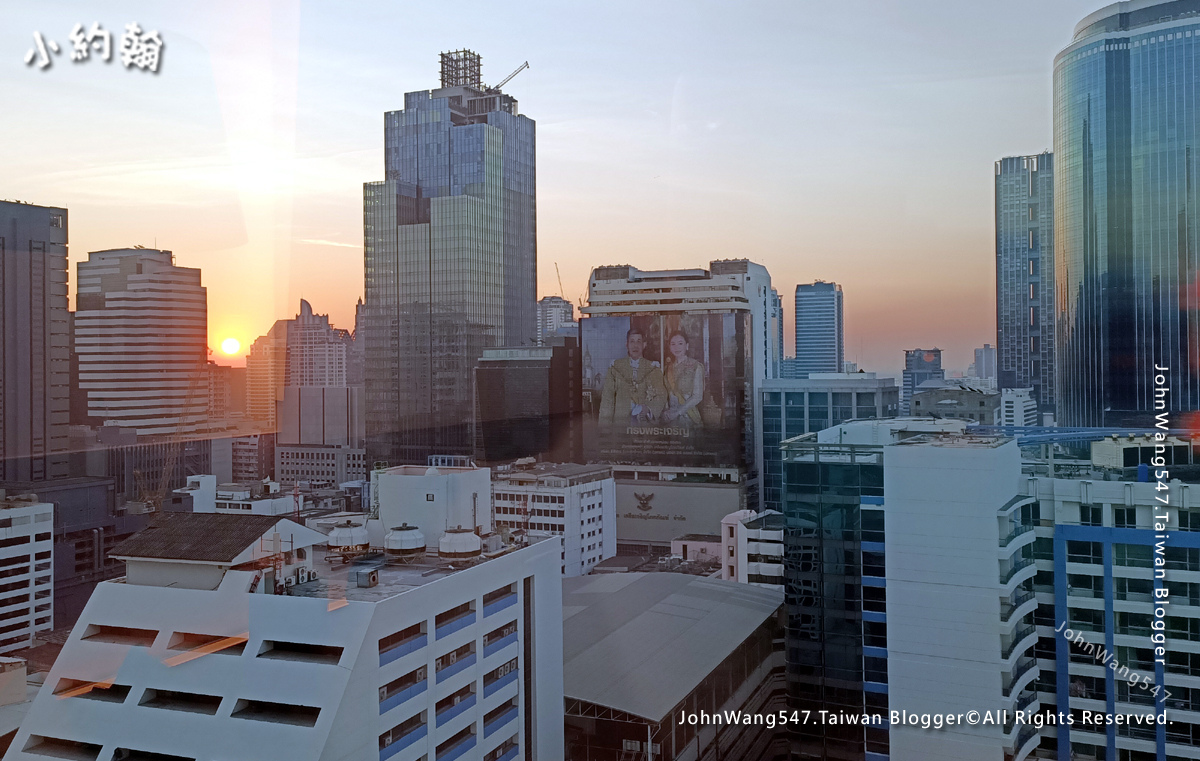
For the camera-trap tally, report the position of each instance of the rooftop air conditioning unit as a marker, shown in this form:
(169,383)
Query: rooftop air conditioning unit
(289,581)
(368,578)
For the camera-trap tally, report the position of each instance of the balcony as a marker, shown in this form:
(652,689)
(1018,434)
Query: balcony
(1016,568)
(490,726)
(1018,638)
(496,606)
(446,714)
(451,669)
(1021,670)
(462,622)
(490,689)
(494,647)
(1012,605)
(1018,530)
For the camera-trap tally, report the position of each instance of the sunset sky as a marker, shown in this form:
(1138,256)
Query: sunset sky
(850,141)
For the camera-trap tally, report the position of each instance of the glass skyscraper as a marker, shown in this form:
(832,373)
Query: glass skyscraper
(450,252)
(820,341)
(1025,276)
(1125,137)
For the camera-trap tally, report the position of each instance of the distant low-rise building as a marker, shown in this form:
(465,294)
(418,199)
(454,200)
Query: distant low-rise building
(644,651)
(752,545)
(955,398)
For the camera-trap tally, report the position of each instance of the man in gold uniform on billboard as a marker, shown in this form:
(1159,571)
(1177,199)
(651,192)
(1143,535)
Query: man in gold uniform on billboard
(633,391)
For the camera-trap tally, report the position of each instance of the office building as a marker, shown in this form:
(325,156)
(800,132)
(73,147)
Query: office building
(553,313)
(820,338)
(984,366)
(956,398)
(253,457)
(752,545)
(643,648)
(266,374)
(27,556)
(1025,276)
(34,380)
(920,365)
(451,259)
(1017,407)
(793,407)
(322,436)
(775,342)
(198,653)
(576,502)
(143,468)
(528,403)
(1124,215)
(141,338)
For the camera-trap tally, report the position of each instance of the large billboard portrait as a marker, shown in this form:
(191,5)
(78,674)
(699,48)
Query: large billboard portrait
(666,388)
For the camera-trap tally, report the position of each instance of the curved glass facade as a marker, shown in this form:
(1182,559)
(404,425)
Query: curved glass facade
(1125,137)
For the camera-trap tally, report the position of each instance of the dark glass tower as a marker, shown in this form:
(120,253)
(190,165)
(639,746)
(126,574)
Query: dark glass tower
(450,252)
(1025,275)
(1125,139)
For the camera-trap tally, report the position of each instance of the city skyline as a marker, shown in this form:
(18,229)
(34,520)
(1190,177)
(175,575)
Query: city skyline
(232,158)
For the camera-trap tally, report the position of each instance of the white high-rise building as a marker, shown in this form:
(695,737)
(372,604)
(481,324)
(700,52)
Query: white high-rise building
(197,653)
(553,312)
(752,545)
(26,557)
(576,502)
(141,338)
(316,351)
(1017,407)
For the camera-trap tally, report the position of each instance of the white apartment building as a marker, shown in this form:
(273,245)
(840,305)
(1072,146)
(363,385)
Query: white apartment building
(576,502)
(195,655)
(553,312)
(141,336)
(1017,407)
(259,498)
(752,548)
(26,569)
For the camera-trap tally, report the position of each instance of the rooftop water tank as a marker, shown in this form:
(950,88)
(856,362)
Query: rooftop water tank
(348,537)
(404,542)
(459,543)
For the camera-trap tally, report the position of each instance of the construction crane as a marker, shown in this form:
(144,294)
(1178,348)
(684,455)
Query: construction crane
(561,291)
(505,81)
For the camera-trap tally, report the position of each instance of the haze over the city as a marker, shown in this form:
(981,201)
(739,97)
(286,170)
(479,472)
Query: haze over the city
(850,142)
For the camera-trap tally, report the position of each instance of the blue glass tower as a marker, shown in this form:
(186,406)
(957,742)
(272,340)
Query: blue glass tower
(451,259)
(1125,138)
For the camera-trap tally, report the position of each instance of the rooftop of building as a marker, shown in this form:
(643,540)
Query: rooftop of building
(26,499)
(771,520)
(1131,14)
(350,581)
(711,538)
(428,470)
(540,473)
(199,537)
(642,642)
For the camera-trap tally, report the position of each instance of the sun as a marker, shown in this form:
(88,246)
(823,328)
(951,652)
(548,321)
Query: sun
(231,345)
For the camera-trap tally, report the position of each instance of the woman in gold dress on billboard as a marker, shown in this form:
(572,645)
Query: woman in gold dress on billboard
(685,384)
